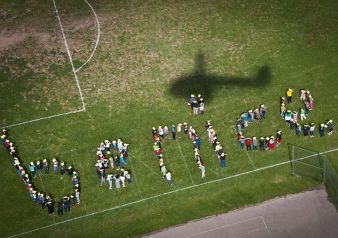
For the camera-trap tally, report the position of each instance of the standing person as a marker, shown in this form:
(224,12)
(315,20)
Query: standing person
(179,129)
(55,166)
(168,178)
(153,131)
(60,208)
(166,131)
(185,128)
(321,130)
(66,204)
(110,178)
(161,132)
(295,116)
(239,128)
(305,131)
(267,143)
(101,176)
(107,145)
(128,176)
(288,116)
(289,95)
(163,170)
(112,162)
(329,125)
(62,169)
(191,100)
(199,99)
(123,178)
(117,181)
(282,110)
(173,132)
(262,111)
(46,166)
(298,129)
(272,143)
(302,94)
(222,159)
(257,114)
(242,142)
(251,116)
(123,162)
(195,107)
(254,143)
(202,109)
(279,137)
(50,206)
(32,169)
(202,168)
(261,143)
(77,196)
(71,170)
(248,143)
(198,143)
(39,167)
(312,130)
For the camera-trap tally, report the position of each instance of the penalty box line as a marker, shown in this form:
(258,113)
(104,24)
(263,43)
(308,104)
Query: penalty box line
(74,73)
(69,56)
(44,118)
(165,194)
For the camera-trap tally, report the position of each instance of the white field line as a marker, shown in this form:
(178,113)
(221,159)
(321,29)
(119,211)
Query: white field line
(44,118)
(147,166)
(270,235)
(250,232)
(252,163)
(185,163)
(70,56)
(165,194)
(97,37)
(225,226)
(75,76)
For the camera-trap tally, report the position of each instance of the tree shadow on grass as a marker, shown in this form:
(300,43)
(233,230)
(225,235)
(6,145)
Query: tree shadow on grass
(205,83)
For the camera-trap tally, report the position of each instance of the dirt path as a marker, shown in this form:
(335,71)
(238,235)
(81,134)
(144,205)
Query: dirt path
(306,215)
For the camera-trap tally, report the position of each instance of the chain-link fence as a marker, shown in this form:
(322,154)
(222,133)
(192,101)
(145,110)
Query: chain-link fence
(314,165)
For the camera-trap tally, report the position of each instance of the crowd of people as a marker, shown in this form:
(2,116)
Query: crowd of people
(36,168)
(196,147)
(216,145)
(305,97)
(112,162)
(253,143)
(158,138)
(197,104)
(291,117)
(159,134)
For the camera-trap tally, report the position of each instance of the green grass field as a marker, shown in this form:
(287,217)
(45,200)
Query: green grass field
(151,56)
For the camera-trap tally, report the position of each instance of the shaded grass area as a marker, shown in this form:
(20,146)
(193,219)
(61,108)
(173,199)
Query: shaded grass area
(204,83)
(152,55)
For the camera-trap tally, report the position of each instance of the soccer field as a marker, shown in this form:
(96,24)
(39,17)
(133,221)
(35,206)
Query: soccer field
(74,73)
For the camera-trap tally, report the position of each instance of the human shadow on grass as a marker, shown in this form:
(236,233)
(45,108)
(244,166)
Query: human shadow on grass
(201,82)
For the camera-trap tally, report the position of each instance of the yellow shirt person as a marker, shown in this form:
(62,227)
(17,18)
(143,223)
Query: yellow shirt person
(289,95)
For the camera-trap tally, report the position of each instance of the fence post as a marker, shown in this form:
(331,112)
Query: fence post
(293,159)
(324,171)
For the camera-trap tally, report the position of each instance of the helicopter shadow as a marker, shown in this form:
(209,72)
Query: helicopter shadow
(201,82)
